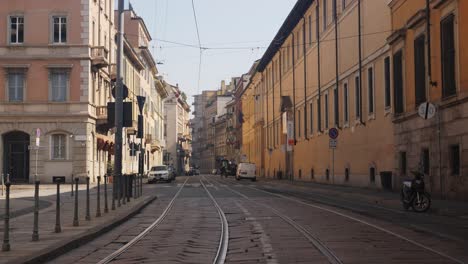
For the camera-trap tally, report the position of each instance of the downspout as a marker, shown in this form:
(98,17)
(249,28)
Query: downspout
(273,101)
(360,62)
(281,119)
(294,84)
(305,77)
(267,116)
(336,93)
(319,105)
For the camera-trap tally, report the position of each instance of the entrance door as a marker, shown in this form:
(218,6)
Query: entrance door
(16,156)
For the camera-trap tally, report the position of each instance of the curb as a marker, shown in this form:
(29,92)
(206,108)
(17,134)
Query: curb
(63,247)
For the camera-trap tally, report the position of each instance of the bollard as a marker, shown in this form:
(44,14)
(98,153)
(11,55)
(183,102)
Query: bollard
(106,207)
(35,235)
(129,190)
(6,228)
(75,213)
(114,192)
(134,186)
(124,188)
(141,185)
(88,216)
(58,228)
(119,188)
(71,194)
(98,206)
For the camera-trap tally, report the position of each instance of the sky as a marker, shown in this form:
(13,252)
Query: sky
(235,33)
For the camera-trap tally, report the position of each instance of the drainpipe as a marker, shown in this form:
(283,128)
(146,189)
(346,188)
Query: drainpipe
(294,84)
(319,106)
(273,100)
(360,61)
(281,119)
(305,77)
(336,94)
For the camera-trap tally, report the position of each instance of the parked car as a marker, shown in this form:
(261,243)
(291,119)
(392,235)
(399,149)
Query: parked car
(246,171)
(160,173)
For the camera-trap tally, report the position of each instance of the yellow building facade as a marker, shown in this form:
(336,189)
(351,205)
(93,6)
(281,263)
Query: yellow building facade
(431,66)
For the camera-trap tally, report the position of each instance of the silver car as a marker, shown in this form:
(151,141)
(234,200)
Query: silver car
(160,173)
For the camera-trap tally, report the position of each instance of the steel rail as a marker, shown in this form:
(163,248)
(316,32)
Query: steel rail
(221,253)
(328,253)
(132,242)
(362,222)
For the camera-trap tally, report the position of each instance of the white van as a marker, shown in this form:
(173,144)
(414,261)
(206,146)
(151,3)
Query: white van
(246,171)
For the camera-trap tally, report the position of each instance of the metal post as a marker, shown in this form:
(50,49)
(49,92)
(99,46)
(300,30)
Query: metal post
(333,166)
(124,189)
(119,187)
(119,96)
(141,185)
(3,185)
(134,186)
(98,206)
(35,235)
(75,212)
(58,229)
(114,187)
(72,180)
(6,228)
(106,207)
(129,189)
(88,216)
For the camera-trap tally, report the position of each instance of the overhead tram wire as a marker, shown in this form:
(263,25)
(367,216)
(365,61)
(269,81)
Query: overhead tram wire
(199,45)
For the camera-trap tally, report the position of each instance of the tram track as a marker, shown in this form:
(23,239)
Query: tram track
(221,251)
(314,240)
(347,216)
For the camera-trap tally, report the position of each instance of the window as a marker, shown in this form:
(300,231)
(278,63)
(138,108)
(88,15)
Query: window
(420,70)
(370,86)
(372,174)
(357,98)
(448,56)
(402,163)
(317,22)
(311,114)
(310,30)
(59,146)
(16,30)
(387,82)
(336,106)
(455,160)
(425,161)
(398,82)
(60,29)
(345,103)
(299,123)
(319,115)
(343,4)
(326,111)
(15,86)
(324,9)
(58,85)
(334,15)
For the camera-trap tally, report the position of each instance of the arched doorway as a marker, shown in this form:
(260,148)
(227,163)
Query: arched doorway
(16,156)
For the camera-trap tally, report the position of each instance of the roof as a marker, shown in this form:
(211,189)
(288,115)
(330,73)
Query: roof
(291,21)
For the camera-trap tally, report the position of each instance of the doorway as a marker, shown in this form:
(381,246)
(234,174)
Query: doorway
(16,156)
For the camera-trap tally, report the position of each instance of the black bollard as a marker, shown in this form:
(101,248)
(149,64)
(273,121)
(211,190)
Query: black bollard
(106,207)
(88,216)
(75,214)
(6,228)
(134,186)
(119,190)
(141,185)
(124,188)
(58,227)
(35,235)
(98,206)
(129,189)
(114,192)
(71,194)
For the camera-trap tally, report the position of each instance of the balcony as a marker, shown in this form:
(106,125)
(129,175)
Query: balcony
(101,113)
(99,57)
(102,126)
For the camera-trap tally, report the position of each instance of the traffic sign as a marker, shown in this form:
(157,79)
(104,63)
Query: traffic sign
(333,133)
(426,110)
(333,143)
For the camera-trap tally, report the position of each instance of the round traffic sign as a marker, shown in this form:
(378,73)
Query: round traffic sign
(426,110)
(333,133)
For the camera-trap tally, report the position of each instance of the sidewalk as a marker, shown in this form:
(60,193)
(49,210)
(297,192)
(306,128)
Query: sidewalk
(382,198)
(23,250)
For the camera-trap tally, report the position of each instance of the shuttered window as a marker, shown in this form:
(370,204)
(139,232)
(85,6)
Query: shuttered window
(336,106)
(398,82)
(59,146)
(387,82)
(311,117)
(59,85)
(326,111)
(448,56)
(15,86)
(345,103)
(357,98)
(420,70)
(370,87)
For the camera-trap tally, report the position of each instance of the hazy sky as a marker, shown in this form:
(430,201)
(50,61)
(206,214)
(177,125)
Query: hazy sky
(228,24)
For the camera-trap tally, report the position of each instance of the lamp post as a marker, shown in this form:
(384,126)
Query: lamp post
(141,103)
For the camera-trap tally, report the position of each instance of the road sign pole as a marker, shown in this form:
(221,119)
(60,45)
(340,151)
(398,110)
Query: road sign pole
(333,166)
